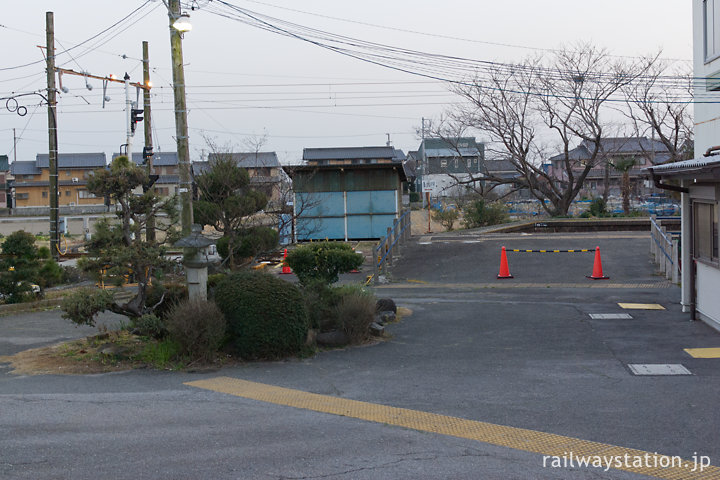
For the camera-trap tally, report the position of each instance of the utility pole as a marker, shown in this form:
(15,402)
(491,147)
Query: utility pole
(52,134)
(14,146)
(128,118)
(147,128)
(181,127)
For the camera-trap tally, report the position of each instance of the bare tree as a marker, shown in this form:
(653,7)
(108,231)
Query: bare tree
(655,111)
(525,108)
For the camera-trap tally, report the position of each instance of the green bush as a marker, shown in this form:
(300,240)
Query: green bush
(162,354)
(446,217)
(174,294)
(250,242)
(266,317)
(323,261)
(82,306)
(197,327)
(320,302)
(598,207)
(479,213)
(414,197)
(149,325)
(355,312)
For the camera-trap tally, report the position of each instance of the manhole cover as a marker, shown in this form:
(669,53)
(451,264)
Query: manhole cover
(658,369)
(610,316)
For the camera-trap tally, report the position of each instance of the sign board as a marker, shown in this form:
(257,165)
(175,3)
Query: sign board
(428,186)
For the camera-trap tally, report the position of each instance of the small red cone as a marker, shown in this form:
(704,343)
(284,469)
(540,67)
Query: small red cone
(354,270)
(597,267)
(285,269)
(504,270)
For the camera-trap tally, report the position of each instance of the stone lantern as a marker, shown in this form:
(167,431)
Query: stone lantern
(196,262)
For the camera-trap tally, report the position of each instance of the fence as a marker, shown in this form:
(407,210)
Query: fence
(665,248)
(389,245)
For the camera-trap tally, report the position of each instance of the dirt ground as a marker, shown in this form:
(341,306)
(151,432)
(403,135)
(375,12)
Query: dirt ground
(419,219)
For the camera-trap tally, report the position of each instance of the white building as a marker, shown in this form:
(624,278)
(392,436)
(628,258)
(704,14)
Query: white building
(700,178)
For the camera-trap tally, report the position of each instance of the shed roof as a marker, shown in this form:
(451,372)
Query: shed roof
(349,153)
(685,167)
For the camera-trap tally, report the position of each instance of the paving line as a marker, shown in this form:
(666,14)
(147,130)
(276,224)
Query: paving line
(547,444)
(712,352)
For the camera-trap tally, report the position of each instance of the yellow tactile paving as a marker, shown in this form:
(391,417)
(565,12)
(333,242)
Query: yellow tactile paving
(641,306)
(546,444)
(703,352)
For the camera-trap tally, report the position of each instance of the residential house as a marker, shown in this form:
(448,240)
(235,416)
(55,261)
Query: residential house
(349,193)
(264,169)
(503,169)
(32,180)
(165,165)
(699,179)
(643,151)
(4,181)
(445,165)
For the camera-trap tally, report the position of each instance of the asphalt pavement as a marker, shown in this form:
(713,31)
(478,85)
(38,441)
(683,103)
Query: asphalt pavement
(521,353)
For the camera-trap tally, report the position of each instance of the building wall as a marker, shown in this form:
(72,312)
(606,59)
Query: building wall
(346,204)
(38,195)
(707,116)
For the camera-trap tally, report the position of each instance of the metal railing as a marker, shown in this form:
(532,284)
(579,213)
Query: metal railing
(389,245)
(665,248)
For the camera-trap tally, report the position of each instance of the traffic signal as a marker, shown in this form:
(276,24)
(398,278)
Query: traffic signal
(147,154)
(135,116)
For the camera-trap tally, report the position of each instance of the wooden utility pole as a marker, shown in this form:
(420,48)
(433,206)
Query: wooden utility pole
(147,128)
(52,134)
(181,127)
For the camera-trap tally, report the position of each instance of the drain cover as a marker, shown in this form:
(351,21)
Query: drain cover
(658,369)
(610,316)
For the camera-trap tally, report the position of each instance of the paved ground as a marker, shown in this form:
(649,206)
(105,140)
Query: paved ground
(521,353)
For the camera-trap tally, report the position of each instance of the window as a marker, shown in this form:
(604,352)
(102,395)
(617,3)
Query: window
(45,194)
(443,163)
(67,193)
(85,194)
(469,162)
(68,173)
(22,196)
(705,230)
(711,17)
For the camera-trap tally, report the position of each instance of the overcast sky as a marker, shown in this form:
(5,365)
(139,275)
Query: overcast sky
(245,82)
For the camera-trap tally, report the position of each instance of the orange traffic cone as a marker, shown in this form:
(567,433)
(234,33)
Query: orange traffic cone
(286,269)
(597,267)
(504,270)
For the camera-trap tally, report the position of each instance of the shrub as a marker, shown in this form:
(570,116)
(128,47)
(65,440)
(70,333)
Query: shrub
(323,261)
(249,242)
(174,294)
(446,217)
(355,312)
(266,316)
(150,325)
(50,274)
(480,213)
(197,327)
(598,207)
(82,307)
(320,302)
(161,354)
(414,197)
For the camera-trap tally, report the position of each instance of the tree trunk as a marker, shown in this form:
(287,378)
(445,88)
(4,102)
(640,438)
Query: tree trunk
(606,181)
(626,192)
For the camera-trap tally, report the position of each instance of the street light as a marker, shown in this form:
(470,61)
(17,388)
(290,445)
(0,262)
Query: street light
(179,23)
(182,24)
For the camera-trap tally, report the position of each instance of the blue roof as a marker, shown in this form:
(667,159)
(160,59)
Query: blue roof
(24,168)
(160,159)
(73,160)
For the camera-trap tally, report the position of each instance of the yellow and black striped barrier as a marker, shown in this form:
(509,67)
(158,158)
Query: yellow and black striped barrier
(583,250)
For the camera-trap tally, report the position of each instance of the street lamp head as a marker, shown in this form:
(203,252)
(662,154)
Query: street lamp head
(182,24)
